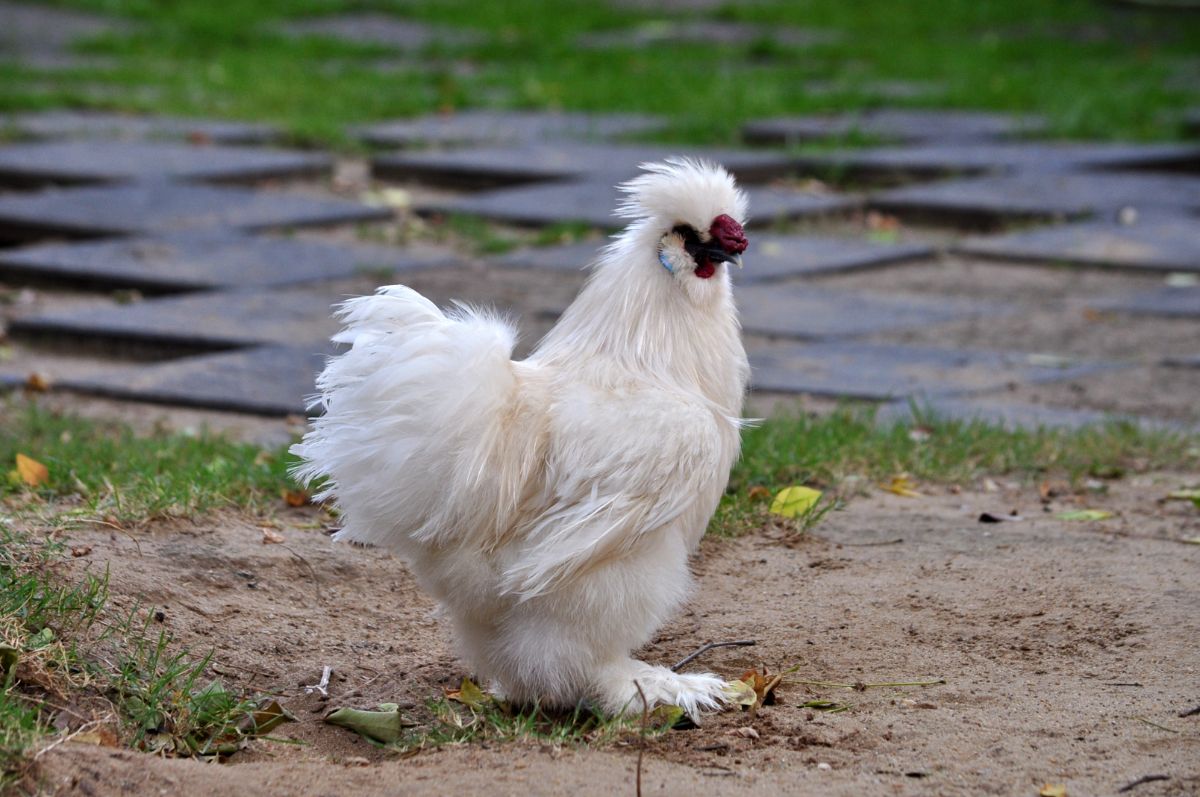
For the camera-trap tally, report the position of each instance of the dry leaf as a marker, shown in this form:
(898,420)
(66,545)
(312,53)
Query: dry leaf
(81,550)
(385,725)
(31,472)
(469,694)
(37,382)
(1050,790)
(739,693)
(792,501)
(271,537)
(1085,514)
(903,486)
(746,732)
(296,497)
(759,493)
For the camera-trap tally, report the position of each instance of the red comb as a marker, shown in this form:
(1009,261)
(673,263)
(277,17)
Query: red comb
(729,234)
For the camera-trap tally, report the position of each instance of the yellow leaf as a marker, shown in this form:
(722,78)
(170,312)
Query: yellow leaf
(1050,790)
(740,693)
(469,694)
(31,471)
(792,501)
(903,486)
(1085,514)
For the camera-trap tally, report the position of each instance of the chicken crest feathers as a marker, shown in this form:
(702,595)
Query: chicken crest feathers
(682,190)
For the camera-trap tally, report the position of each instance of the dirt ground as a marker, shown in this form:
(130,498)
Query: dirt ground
(1068,650)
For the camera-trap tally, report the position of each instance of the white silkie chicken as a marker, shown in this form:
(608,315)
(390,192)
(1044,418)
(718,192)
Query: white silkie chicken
(550,504)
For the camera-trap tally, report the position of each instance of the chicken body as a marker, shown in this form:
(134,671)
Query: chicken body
(550,505)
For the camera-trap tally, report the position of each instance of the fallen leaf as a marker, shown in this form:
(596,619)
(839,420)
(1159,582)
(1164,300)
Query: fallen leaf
(1049,790)
(746,732)
(903,486)
(271,536)
(385,725)
(1085,514)
(1185,495)
(759,493)
(739,693)
(296,497)
(796,500)
(1191,540)
(265,719)
(31,472)
(80,550)
(104,737)
(37,382)
(469,694)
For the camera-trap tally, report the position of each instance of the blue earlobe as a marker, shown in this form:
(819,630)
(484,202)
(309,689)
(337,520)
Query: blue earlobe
(662,258)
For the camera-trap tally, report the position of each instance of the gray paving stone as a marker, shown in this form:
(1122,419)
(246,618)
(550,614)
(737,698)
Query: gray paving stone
(270,380)
(1034,195)
(894,124)
(812,313)
(770,257)
(1167,302)
(884,372)
(31,31)
(1009,415)
(592,202)
(503,127)
(487,167)
(1183,362)
(705,32)
(383,30)
(1152,244)
(160,207)
(1191,122)
(931,160)
(99,124)
(212,320)
(206,259)
(98,161)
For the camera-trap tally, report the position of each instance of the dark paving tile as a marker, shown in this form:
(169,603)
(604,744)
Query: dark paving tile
(885,372)
(908,162)
(159,207)
(271,380)
(1041,195)
(593,202)
(706,32)
(500,166)
(569,257)
(1153,244)
(1191,122)
(1010,415)
(99,161)
(775,257)
(384,30)
(503,127)
(99,124)
(1168,302)
(812,313)
(901,125)
(206,259)
(1183,362)
(198,321)
(30,30)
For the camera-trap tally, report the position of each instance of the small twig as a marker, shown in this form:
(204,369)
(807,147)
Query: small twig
(1191,712)
(321,687)
(896,541)
(1122,683)
(860,687)
(316,580)
(642,744)
(1141,780)
(1153,724)
(686,660)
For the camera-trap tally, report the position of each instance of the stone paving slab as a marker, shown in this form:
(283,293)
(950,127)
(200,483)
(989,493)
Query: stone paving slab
(883,372)
(37,31)
(269,380)
(383,30)
(931,160)
(593,202)
(503,127)
(770,257)
(98,161)
(206,259)
(812,313)
(159,207)
(706,32)
(1010,415)
(1150,244)
(1191,122)
(895,124)
(1168,302)
(1033,195)
(99,124)
(1183,362)
(487,167)
(212,320)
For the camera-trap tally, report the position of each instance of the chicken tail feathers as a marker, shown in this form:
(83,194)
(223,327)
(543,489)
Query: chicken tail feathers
(411,418)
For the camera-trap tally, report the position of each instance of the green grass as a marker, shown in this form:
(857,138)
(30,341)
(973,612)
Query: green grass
(1096,69)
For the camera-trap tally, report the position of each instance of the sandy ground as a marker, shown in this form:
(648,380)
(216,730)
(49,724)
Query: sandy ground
(1060,643)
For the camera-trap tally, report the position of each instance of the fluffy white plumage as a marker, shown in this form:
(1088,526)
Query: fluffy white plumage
(550,504)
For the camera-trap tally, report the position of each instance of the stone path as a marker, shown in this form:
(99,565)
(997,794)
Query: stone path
(236,308)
